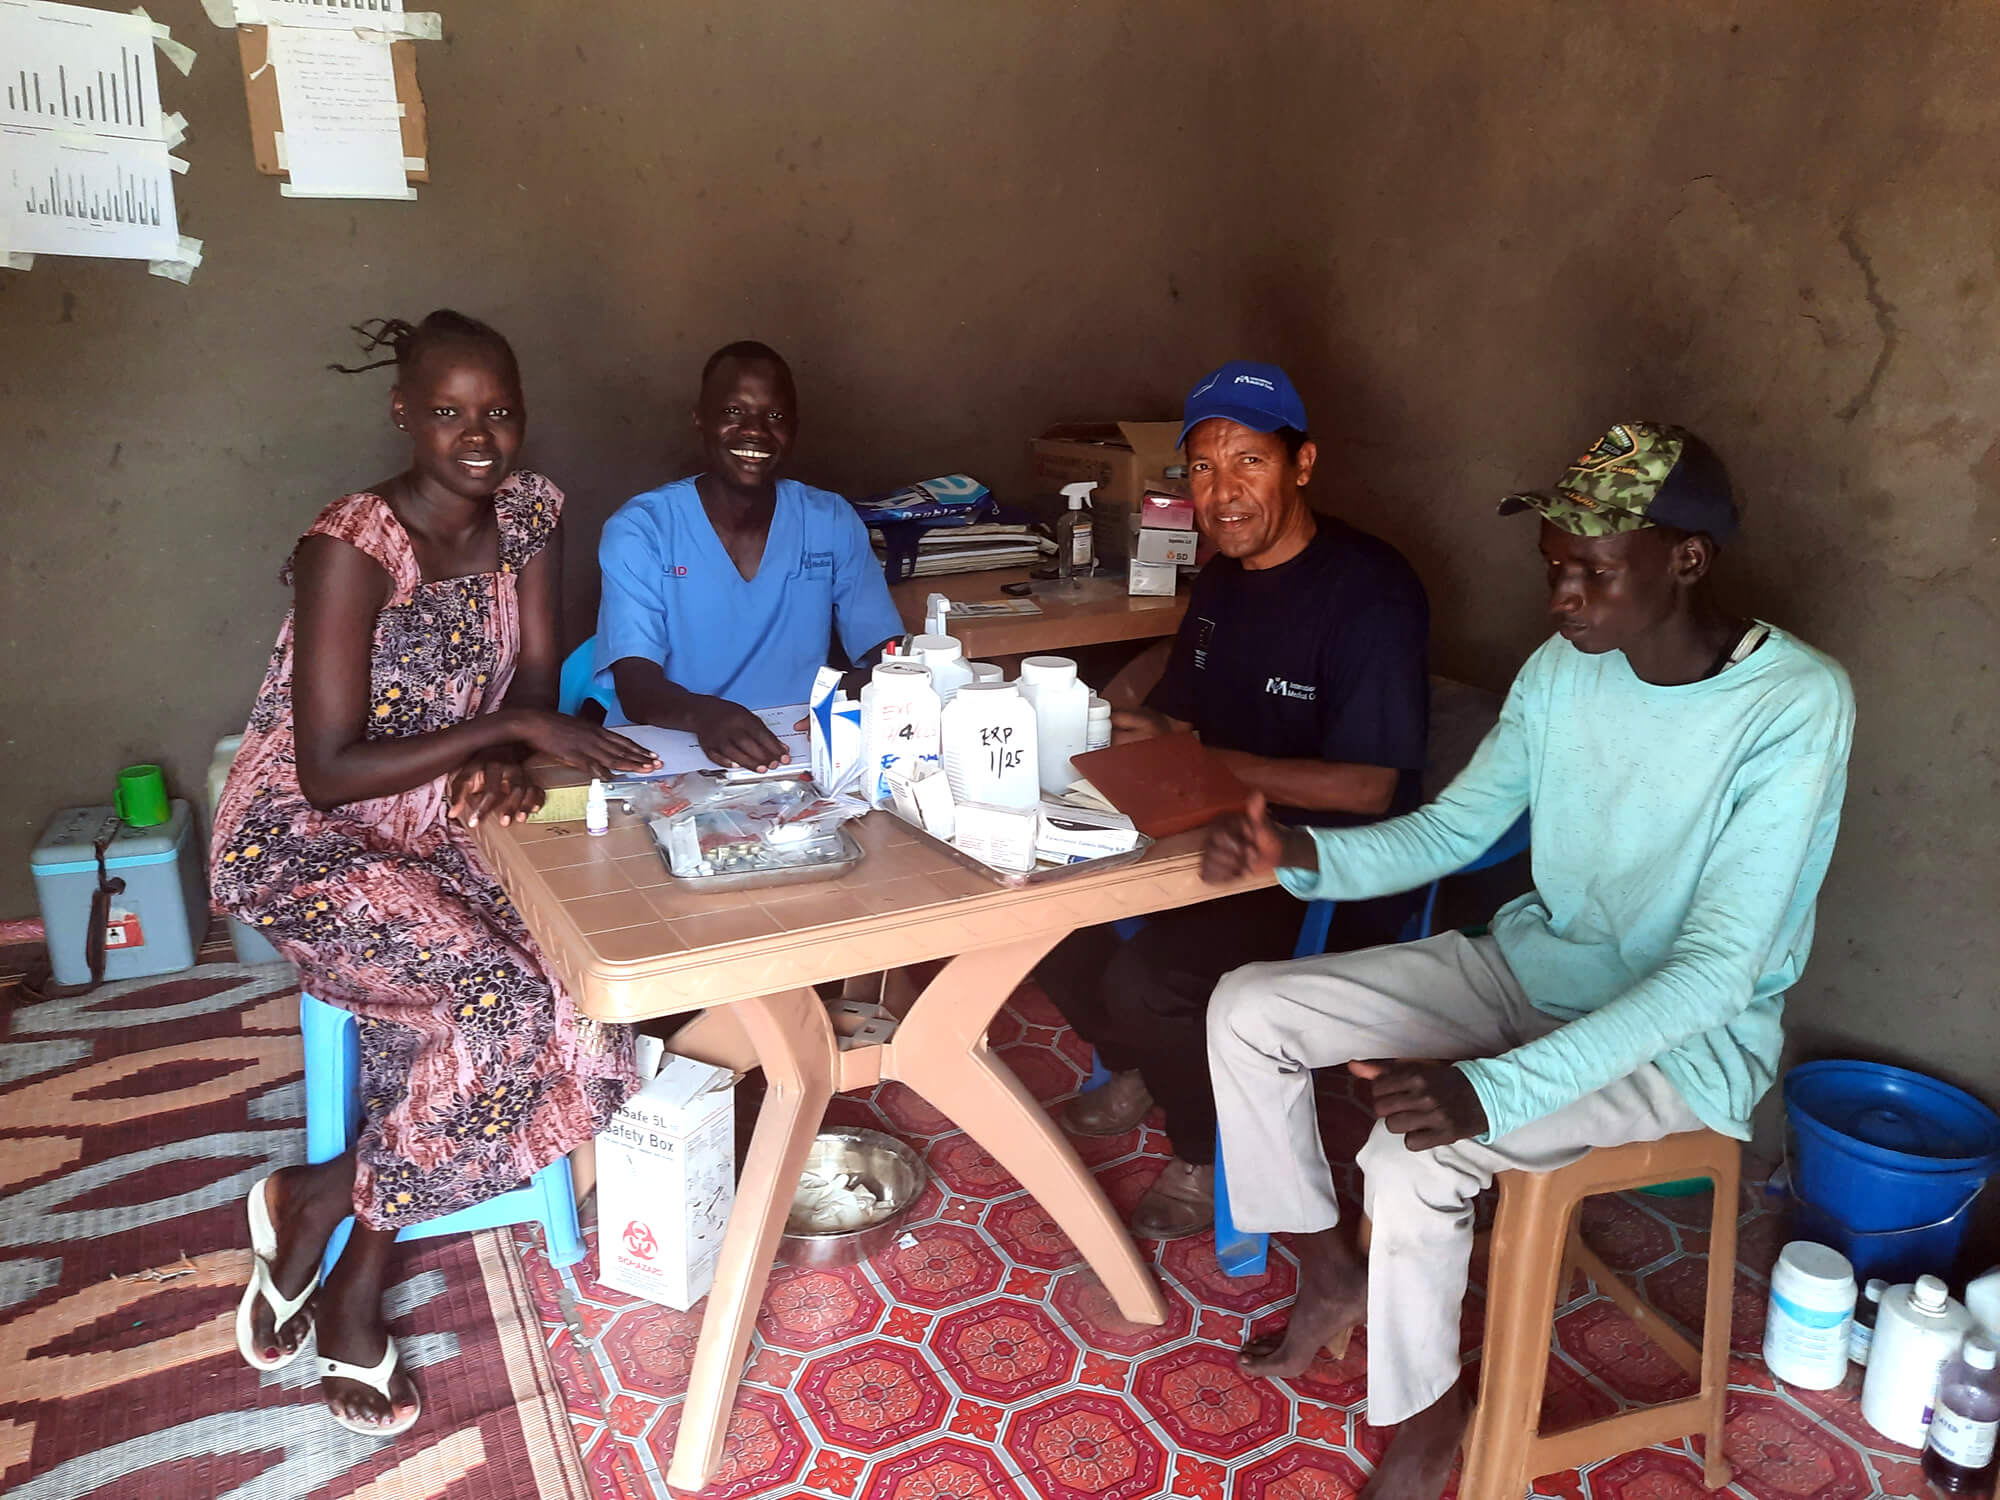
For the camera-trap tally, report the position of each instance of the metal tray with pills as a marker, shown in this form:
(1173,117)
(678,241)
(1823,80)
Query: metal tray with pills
(804,872)
(1015,880)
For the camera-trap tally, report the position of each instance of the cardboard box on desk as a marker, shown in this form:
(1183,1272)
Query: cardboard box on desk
(666,1178)
(1124,460)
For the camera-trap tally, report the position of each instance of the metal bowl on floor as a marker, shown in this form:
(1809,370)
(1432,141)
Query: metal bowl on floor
(893,1172)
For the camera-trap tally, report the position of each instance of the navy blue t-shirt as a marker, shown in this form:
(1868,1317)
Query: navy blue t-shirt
(1324,657)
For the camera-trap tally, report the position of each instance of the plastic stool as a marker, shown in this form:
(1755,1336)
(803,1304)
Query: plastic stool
(333,1114)
(1534,1248)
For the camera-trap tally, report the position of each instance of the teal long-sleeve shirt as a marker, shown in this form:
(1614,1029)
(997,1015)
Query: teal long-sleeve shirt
(1680,836)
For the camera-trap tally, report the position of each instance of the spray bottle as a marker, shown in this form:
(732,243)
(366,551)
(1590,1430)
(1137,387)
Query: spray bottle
(1076,543)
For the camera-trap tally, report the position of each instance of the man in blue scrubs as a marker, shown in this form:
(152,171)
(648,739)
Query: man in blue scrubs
(722,592)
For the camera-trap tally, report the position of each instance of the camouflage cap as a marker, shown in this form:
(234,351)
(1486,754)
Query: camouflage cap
(1638,474)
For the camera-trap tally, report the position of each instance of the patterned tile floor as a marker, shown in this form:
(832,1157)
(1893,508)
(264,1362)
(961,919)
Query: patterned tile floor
(980,1361)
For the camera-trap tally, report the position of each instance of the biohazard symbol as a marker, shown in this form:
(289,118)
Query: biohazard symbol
(639,1240)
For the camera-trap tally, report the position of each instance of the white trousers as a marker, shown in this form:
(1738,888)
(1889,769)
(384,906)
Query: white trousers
(1449,998)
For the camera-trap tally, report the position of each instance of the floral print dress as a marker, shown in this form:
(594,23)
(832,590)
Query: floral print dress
(476,1070)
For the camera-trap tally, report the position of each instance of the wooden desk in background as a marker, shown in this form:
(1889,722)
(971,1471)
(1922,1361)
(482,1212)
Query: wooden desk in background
(1098,612)
(632,942)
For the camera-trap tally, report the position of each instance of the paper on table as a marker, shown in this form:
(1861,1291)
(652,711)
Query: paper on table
(343,122)
(680,751)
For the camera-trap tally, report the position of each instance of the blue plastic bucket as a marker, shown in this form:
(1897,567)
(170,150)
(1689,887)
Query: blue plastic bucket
(1895,1255)
(1883,1149)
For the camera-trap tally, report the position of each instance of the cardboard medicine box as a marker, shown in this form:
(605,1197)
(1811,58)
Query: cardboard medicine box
(1124,460)
(666,1178)
(1175,548)
(1166,512)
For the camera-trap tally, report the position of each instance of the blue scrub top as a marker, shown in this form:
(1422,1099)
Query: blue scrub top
(672,595)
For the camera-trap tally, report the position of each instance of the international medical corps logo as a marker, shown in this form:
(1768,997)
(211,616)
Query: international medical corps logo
(639,1240)
(1303,692)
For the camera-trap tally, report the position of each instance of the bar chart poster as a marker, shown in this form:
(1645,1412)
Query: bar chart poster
(80,197)
(385,15)
(67,67)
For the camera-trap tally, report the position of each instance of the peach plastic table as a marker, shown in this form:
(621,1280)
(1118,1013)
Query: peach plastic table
(1097,612)
(633,943)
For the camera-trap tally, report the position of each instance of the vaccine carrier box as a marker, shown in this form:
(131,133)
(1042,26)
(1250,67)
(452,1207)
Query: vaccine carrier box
(666,1178)
(156,923)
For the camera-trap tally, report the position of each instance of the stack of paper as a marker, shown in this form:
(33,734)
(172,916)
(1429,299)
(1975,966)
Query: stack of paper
(973,549)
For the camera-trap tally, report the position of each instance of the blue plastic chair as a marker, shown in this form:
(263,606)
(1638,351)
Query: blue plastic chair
(1243,1253)
(578,685)
(333,1114)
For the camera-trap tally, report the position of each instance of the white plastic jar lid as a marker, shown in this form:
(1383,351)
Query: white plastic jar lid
(1040,669)
(1815,1271)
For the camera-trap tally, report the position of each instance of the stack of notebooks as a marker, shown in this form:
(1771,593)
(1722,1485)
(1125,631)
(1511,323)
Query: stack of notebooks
(969,549)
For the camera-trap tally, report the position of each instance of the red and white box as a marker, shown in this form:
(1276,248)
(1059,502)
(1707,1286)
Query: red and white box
(1161,512)
(666,1178)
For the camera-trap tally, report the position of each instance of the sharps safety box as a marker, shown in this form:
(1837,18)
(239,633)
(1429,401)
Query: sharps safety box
(156,922)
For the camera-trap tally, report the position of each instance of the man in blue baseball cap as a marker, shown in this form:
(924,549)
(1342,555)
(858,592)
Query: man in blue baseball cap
(1301,663)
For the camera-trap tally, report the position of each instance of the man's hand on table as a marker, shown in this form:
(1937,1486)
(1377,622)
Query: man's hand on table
(731,735)
(1249,843)
(1427,1103)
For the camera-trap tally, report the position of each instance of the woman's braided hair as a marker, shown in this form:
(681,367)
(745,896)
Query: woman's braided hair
(407,343)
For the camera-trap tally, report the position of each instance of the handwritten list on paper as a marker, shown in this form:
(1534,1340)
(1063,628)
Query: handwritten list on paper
(342,123)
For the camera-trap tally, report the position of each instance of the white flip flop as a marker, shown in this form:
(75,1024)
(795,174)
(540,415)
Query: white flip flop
(377,1380)
(264,1250)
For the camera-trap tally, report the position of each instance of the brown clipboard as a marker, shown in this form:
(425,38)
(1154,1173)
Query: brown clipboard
(1165,785)
(260,89)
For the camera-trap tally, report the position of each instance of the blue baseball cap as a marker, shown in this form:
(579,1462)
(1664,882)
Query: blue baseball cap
(1260,397)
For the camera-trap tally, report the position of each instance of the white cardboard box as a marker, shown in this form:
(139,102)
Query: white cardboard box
(666,1177)
(1176,548)
(1151,578)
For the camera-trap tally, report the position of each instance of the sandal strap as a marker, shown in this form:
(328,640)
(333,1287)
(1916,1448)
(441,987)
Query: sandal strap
(376,1378)
(283,1308)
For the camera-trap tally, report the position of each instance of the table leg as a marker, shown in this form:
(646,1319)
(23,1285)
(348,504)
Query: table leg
(795,1046)
(939,1050)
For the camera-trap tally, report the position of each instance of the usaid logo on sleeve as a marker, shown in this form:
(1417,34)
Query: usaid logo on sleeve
(1301,692)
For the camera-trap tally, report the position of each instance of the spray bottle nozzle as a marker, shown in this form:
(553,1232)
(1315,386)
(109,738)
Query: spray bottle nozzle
(1079,493)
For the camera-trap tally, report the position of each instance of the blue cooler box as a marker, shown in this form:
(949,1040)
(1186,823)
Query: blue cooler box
(159,919)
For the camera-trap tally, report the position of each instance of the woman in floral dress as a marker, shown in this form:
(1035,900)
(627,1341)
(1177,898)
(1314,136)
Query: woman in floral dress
(416,670)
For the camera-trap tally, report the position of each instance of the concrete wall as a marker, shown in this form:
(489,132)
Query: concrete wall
(1775,224)
(1477,234)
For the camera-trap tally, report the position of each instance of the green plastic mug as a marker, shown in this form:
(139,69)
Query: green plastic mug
(142,797)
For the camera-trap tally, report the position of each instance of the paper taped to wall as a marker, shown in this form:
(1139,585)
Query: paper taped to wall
(325,15)
(70,196)
(343,122)
(178,53)
(180,266)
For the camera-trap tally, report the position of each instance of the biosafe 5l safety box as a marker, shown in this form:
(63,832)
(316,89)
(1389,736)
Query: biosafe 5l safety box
(156,922)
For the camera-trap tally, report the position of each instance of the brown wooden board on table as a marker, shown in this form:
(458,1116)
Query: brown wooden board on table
(260,90)
(1165,785)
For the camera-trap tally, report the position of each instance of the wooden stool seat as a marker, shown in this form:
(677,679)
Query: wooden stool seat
(1534,1248)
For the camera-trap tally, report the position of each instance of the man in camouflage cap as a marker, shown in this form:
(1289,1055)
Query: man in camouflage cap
(1639,474)
(1683,770)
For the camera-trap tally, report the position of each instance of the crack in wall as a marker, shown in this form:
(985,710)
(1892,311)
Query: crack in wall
(1885,320)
